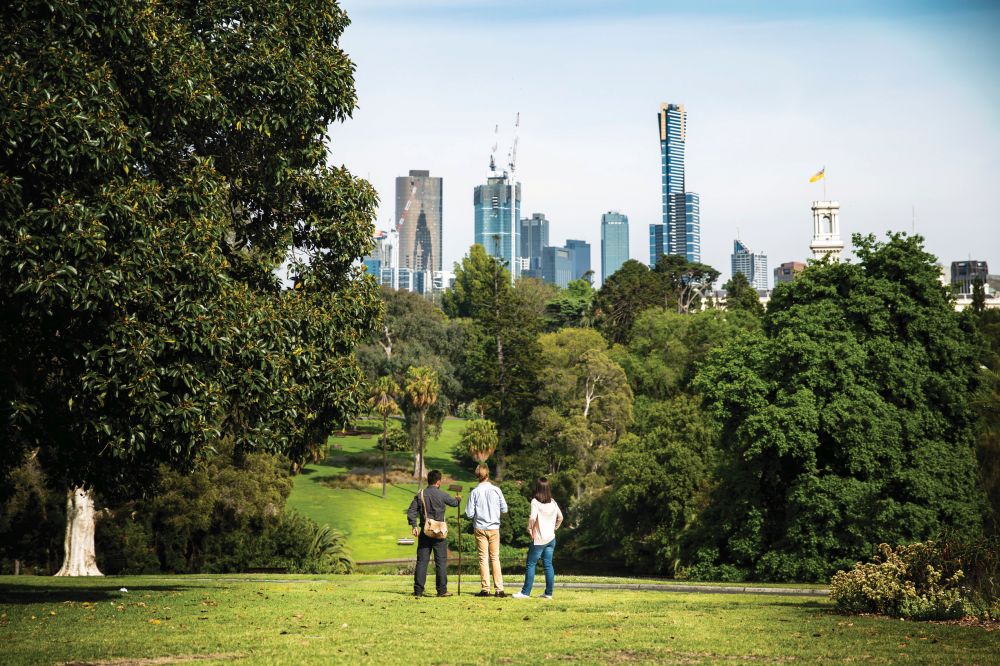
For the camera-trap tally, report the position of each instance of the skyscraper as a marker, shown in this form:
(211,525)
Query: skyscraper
(498,205)
(557,266)
(614,242)
(581,258)
(418,214)
(534,235)
(680,229)
(753,266)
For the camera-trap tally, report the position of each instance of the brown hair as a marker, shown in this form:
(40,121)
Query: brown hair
(482,473)
(543,493)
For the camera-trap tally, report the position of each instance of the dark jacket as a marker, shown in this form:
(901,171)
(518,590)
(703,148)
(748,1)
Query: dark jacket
(436,500)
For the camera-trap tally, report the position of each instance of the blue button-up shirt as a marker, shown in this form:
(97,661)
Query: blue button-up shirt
(486,503)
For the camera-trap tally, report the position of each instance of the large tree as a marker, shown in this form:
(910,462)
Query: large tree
(847,422)
(159,160)
(502,353)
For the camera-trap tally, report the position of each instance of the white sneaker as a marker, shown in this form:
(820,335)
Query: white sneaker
(518,595)
(545,596)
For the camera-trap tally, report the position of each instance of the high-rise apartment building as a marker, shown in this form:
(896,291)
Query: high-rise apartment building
(679,232)
(964,275)
(498,206)
(533,236)
(581,258)
(418,214)
(752,265)
(614,242)
(787,271)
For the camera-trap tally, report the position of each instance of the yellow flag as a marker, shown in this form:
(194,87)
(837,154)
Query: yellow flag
(818,176)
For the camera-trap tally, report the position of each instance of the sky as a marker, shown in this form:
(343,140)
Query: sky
(898,99)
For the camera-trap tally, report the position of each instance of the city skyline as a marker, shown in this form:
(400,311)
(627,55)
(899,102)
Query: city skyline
(769,106)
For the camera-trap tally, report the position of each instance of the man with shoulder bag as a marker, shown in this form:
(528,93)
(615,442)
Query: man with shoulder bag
(426,518)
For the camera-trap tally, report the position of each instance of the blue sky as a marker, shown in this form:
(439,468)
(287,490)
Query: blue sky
(899,100)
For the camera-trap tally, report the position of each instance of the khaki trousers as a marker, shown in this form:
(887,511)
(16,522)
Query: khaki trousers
(488,545)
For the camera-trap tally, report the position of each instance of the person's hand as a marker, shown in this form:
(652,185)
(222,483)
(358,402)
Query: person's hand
(416,531)
(458,497)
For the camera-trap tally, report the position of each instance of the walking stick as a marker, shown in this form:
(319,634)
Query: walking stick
(458,513)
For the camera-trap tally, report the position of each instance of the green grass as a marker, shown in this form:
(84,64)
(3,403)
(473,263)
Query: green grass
(374,620)
(372,524)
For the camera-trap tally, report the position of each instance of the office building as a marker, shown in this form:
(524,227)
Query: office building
(614,242)
(679,232)
(497,207)
(787,271)
(826,240)
(557,266)
(752,265)
(533,236)
(581,259)
(419,221)
(964,274)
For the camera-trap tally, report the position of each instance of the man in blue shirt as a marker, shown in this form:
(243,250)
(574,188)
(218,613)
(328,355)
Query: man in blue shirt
(486,503)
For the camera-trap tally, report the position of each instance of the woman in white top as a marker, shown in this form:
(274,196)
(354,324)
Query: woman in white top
(545,519)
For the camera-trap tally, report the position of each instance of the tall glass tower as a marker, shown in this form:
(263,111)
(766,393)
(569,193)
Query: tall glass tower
(614,242)
(680,229)
(752,264)
(418,211)
(498,215)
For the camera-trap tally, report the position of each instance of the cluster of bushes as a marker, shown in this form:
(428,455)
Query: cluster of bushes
(934,580)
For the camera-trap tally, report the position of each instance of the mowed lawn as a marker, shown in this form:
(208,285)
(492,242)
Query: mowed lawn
(374,620)
(372,524)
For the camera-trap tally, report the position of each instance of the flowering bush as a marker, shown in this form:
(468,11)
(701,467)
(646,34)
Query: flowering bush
(912,582)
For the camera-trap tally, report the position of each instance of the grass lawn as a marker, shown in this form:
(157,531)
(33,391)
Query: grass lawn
(372,524)
(373,619)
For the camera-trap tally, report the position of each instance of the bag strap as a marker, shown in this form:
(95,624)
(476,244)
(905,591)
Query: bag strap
(422,501)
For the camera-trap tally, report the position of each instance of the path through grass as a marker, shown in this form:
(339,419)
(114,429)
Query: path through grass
(372,524)
(374,620)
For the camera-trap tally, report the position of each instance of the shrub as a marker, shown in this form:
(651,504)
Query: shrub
(514,523)
(914,582)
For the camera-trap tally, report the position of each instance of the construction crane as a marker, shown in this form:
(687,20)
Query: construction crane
(394,238)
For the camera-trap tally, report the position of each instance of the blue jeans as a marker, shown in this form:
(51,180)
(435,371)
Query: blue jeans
(545,552)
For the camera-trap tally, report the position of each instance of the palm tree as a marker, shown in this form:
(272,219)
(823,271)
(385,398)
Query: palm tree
(421,391)
(383,400)
(480,439)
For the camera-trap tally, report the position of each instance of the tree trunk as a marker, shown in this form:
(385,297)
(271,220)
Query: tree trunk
(385,444)
(80,558)
(419,471)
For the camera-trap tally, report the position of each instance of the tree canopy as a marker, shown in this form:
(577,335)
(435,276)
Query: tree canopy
(846,422)
(158,164)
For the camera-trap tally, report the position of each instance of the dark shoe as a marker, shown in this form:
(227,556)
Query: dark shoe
(483,593)
(418,595)
(501,594)
(446,594)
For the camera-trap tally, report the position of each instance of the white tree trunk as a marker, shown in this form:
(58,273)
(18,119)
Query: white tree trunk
(79,557)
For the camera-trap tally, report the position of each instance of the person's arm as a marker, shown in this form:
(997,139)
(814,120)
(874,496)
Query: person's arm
(503,502)
(413,514)
(559,516)
(533,519)
(451,500)
(470,506)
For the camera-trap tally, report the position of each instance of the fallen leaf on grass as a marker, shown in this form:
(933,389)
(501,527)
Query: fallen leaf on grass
(154,621)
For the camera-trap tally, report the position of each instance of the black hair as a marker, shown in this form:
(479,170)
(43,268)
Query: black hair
(433,477)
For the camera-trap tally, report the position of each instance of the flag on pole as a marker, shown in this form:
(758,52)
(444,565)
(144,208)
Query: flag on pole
(819,175)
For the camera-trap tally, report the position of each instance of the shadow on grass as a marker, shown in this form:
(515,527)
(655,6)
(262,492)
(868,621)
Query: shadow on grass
(32,594)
